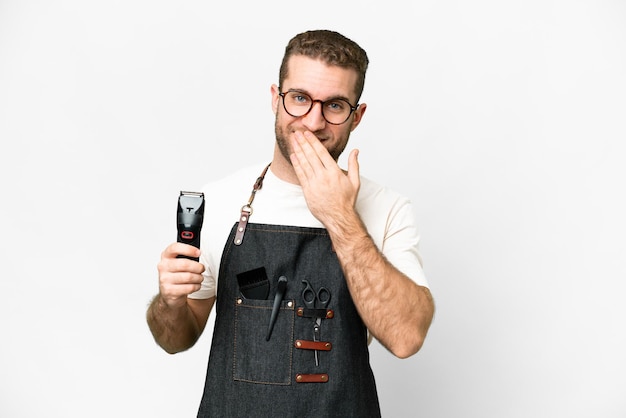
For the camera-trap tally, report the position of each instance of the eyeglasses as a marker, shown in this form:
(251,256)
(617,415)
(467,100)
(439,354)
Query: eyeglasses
(334,111)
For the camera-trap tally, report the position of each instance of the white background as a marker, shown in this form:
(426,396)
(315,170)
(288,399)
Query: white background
(503,121)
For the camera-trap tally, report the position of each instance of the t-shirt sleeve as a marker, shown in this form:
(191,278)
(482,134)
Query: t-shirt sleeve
(401,242)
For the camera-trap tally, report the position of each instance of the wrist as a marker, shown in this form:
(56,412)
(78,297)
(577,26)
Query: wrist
(171,306)
(347,230)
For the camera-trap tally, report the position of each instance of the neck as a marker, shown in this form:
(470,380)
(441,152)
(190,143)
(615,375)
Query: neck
(282,168)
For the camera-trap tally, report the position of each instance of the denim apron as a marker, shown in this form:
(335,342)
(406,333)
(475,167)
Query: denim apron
(250,375)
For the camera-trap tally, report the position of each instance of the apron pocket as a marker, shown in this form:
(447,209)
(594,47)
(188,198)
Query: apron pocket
(256,360)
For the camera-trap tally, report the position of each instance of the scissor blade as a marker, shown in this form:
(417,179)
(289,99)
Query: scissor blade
(316,337)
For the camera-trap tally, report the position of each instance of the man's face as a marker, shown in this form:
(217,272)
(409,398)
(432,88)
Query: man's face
(320,82)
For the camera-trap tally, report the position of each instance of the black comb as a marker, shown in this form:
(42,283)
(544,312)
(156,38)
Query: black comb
(254,284)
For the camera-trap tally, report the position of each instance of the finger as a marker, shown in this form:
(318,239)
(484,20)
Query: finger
(354,168)
(170,263)
(180,284)
(310,151)
(180,278)
(319,150)
(178,248)
(297,168)
(180,265)
(302,163)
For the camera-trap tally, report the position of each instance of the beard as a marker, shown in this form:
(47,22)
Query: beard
(284,144)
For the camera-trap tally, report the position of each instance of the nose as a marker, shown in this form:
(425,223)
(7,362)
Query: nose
(314,120)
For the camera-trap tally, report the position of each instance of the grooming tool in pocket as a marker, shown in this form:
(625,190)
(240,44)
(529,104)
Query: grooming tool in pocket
(254,284)
(316,300)
(278,298)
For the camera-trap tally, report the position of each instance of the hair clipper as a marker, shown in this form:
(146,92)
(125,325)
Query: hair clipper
(189,219)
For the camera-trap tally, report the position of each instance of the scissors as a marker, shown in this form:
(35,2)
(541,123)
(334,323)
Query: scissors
(316,300)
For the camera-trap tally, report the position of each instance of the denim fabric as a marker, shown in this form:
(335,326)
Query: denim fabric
(248,376)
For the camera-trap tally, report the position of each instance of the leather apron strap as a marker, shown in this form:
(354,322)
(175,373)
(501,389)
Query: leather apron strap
(246,210)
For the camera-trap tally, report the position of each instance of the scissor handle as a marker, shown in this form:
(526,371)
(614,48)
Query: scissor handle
(308,295)
(323,297)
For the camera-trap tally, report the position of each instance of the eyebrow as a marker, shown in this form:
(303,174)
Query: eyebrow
(338,97)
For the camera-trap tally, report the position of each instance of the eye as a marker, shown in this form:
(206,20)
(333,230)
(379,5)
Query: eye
(337,106)
(299,98)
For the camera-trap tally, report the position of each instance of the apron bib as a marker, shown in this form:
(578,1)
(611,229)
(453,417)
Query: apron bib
(249,375)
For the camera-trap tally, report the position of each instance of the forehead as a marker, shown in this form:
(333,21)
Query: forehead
(320,79)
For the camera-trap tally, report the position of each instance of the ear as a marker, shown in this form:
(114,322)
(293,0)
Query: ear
(358,115)
(275,98)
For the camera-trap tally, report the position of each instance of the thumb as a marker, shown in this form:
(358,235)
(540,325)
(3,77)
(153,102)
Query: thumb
(353,168)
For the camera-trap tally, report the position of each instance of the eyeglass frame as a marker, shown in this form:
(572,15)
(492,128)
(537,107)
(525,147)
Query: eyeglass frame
(321,102)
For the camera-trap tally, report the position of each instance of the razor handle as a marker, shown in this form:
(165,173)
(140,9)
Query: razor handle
(189,219)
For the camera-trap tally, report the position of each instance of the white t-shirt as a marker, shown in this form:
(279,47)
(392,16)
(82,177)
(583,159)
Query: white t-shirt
(387,216)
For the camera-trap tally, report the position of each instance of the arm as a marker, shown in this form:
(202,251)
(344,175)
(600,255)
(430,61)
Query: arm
(397,311)
(176,322)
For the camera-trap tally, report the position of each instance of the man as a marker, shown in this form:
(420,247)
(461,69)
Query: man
(318,259)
